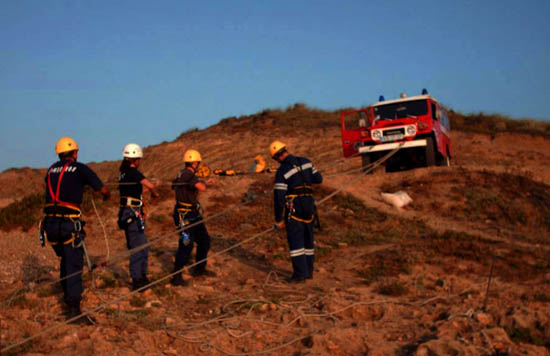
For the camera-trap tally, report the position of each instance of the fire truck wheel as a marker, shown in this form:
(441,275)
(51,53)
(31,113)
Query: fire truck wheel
(366,161)
(430,152)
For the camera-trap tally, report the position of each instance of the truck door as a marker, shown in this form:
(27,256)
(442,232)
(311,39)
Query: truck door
(435,114)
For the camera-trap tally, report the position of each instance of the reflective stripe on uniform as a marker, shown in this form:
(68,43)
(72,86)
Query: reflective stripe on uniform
(309,252)
(281,186)
(298,252)
(295,169)
(314,170)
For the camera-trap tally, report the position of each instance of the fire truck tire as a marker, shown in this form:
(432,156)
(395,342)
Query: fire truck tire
(430,152)
(366,161)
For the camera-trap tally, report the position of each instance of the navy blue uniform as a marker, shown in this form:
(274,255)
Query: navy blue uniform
(62,223)
(186,212)
(131,220)
(295,204)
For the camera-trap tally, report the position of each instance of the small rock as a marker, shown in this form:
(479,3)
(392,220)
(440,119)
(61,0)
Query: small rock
(169,321)
(250,281)
(422,351)
(342,244)
(153,303)
(263,307)
(322,270)
(208,289)
(500,339)
(484,319)
(273,306)
(331,345)
(521,320)
(170,351)
(147,293)
(246,226)
(68,340)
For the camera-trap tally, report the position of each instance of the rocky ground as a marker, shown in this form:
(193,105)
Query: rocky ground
(411,281)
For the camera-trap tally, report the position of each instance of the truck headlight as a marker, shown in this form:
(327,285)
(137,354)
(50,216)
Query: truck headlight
(376,134)
(411,130)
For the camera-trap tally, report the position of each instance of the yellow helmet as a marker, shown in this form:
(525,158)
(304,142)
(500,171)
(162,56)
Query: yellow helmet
(192,156)
(276,147)
(65,144)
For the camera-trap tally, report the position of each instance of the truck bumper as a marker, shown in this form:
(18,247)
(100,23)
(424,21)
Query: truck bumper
(391,146)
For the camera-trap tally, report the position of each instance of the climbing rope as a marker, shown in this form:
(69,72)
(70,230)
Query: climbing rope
(122,255)
(102,227)
(153,283)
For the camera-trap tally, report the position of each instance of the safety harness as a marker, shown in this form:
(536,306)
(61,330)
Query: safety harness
(136,206)
(183,210)
(299,191)
(61,209)
(130,202)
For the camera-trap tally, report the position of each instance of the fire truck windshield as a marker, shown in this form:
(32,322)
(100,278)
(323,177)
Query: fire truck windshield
(401,110)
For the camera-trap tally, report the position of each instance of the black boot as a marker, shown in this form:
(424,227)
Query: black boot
(84,320)
(144,281)
(202,271)
(177,280)
(136,283)
(294,279)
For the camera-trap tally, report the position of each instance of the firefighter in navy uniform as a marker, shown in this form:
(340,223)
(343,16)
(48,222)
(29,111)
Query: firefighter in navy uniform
(186,212)
(61,226)
(295,207)
(131,218)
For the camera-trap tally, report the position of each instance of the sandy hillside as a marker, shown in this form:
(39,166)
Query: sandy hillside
(387,282)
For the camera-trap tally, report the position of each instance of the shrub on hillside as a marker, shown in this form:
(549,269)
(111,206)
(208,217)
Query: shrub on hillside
(300,116)
(492,124)
(23,213)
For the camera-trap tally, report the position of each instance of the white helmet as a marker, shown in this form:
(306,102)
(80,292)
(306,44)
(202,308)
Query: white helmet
(132,150)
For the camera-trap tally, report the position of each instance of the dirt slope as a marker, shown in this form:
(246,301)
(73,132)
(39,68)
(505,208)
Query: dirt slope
(387,281)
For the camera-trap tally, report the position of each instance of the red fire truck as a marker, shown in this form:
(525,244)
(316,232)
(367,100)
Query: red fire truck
(419,125)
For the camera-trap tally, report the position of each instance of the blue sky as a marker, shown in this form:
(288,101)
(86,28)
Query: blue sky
(112,72)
